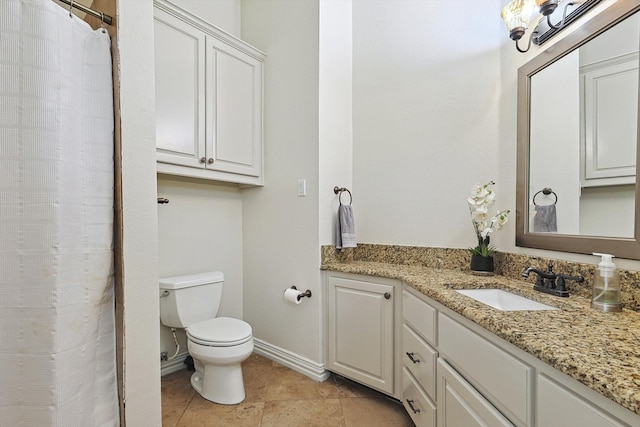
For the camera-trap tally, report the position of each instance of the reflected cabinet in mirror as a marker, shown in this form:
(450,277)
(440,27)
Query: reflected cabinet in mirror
(578,130)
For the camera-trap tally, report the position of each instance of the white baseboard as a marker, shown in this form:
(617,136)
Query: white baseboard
(291,360)
(173,365)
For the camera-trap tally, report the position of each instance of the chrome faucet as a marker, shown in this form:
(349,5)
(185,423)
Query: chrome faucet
(550,282)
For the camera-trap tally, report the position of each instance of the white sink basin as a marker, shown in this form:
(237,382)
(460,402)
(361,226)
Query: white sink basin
(503,300)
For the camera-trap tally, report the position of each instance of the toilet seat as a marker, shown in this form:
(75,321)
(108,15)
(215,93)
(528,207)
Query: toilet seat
(220,332)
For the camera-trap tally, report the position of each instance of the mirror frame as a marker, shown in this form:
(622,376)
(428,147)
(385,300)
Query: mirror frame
(628,248)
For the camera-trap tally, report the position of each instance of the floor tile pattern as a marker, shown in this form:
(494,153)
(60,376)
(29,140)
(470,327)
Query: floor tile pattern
(277,396)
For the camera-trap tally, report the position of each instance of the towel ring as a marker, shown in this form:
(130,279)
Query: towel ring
(341,190)
(546,191)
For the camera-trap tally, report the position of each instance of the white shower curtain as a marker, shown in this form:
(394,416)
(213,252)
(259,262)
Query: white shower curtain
(57,332)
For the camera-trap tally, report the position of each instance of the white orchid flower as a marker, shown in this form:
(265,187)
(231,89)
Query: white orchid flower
(474,201)
(484,233)
(480,214)
(490,198)
(482,197)
(476,189)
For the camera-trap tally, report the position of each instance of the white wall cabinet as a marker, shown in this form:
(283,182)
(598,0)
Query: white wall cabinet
(610,115)
(208,100)
(361,330)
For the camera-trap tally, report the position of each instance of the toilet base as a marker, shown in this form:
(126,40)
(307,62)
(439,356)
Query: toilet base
(219,384)
(218,375)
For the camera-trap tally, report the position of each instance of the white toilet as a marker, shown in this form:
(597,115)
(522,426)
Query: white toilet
(218,345)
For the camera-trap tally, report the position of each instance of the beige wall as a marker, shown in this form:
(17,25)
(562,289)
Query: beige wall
(224,14)
(200,230)
(435,112)
(428,111)
(281,245)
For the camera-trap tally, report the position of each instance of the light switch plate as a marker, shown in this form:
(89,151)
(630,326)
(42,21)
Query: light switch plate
(302,187)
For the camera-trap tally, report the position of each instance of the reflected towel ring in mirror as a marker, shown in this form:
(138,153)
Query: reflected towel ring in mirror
(340,190)
(546,191)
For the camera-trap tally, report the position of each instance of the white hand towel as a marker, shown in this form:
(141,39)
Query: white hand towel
(346,230)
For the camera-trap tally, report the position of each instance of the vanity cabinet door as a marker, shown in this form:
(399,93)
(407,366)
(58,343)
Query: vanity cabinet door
(503,378)
(560,406)
(360,329)
(459,404)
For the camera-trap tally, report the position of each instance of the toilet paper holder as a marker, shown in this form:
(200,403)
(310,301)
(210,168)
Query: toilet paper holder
(306,293)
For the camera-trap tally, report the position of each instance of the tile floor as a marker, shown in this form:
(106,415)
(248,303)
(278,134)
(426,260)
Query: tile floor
(279,396)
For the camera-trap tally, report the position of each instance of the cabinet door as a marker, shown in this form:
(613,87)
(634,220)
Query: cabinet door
(179,67)
(360,331)
(234,110)
(610,121)
(503,378)
(459,404)
(559,406)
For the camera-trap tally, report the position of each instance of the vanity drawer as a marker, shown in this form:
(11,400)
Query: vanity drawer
(420,315)
(504,380)
(417,404)
(420,358)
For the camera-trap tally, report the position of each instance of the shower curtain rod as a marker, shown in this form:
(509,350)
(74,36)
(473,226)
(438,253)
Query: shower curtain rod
(105,18)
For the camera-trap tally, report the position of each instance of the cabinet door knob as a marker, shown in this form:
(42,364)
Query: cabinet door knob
(203,159)
(410,356)
(210,160)
(387,295)
(410,403)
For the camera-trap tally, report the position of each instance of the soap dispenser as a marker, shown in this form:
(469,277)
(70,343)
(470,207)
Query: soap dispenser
(606,285)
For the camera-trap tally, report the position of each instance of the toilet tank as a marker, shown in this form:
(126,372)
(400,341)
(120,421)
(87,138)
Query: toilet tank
(189,299)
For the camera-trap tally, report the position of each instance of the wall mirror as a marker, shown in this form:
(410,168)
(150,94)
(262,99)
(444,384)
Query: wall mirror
(578,133)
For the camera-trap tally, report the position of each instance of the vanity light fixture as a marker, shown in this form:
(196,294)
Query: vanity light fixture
(517,14)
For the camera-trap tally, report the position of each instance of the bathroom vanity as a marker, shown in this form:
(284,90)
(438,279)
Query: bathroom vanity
(459,362)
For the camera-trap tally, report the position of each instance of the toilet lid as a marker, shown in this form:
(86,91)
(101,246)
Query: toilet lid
(220,332)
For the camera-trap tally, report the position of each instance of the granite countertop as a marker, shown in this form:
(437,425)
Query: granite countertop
(598,349)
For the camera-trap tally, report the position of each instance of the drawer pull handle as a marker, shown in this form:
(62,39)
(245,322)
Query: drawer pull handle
(410,403)
(387,295)
(410,356)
